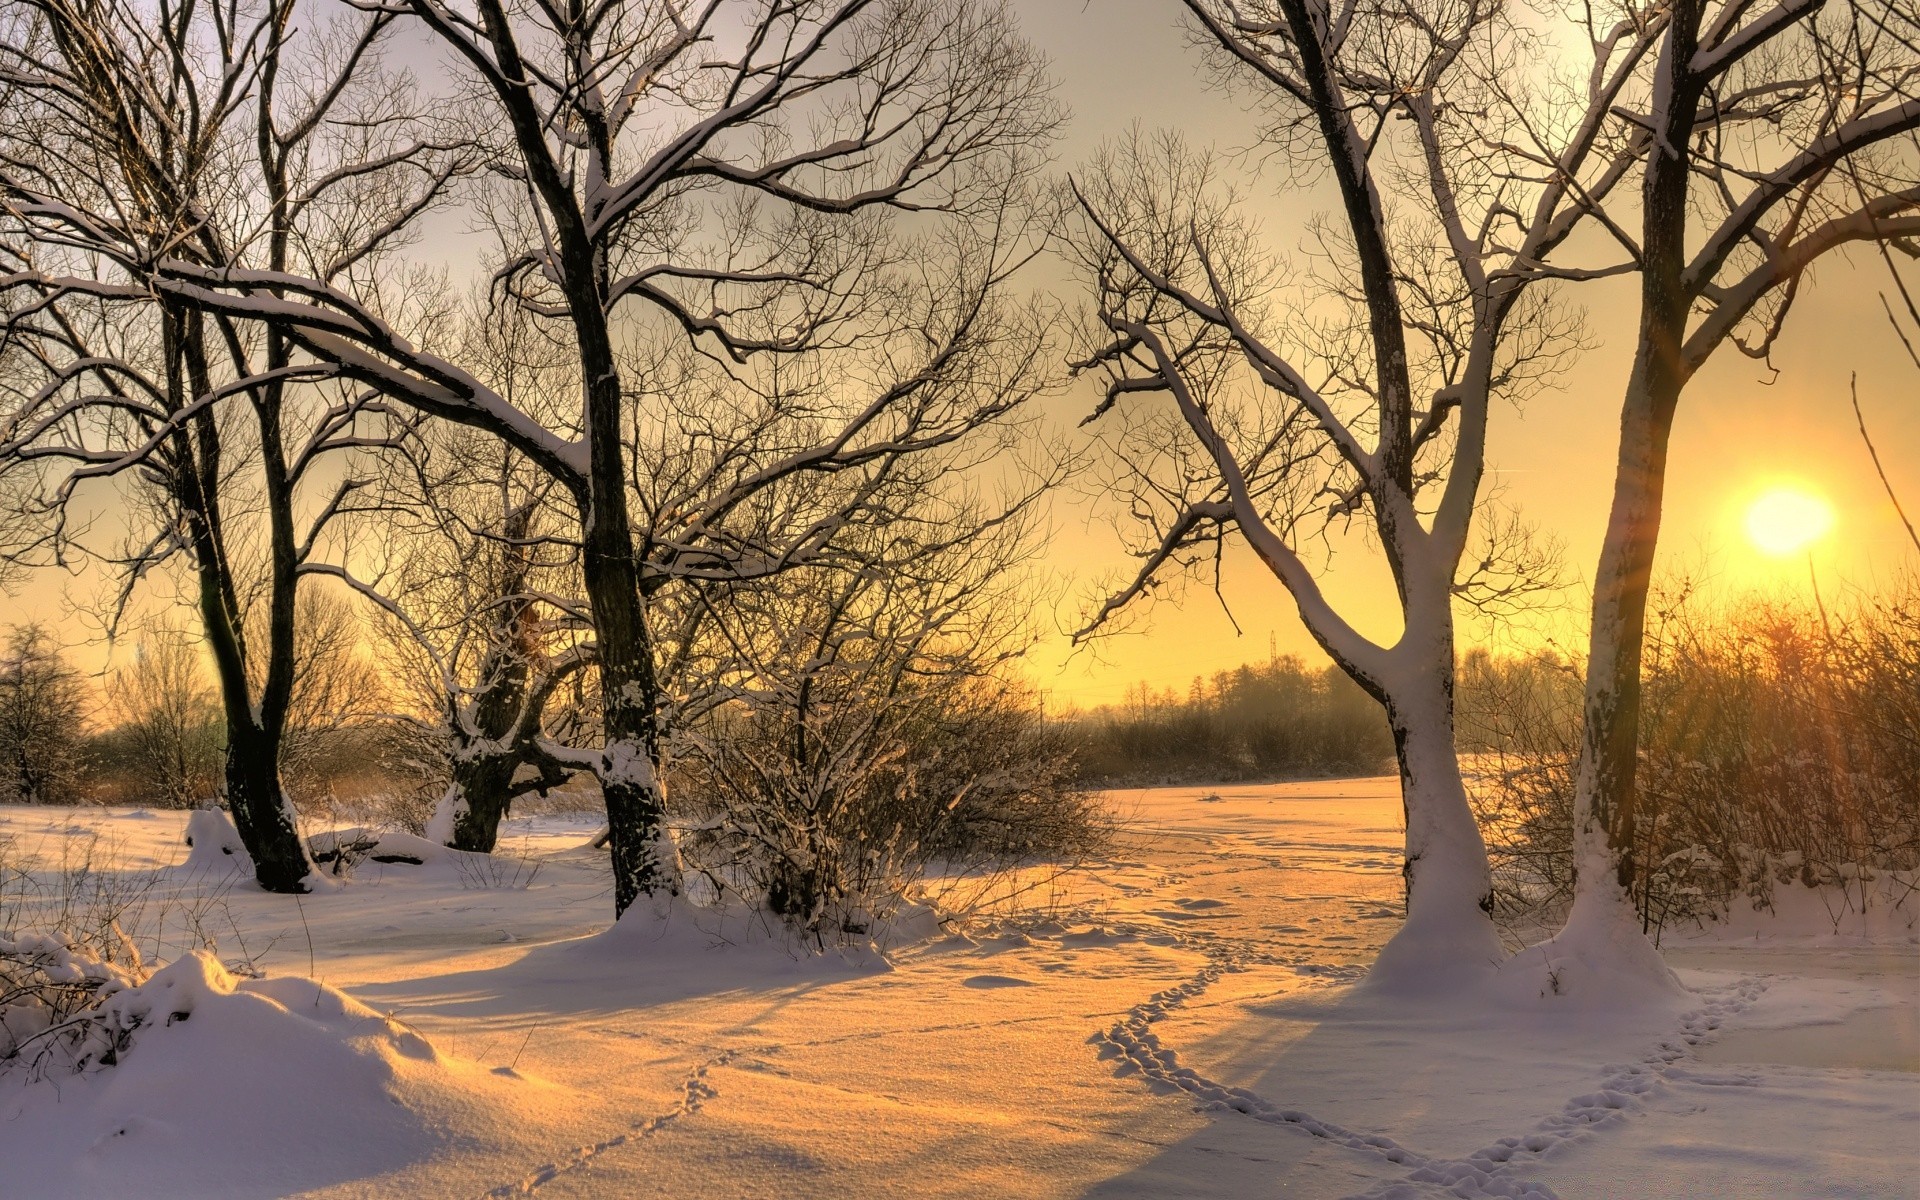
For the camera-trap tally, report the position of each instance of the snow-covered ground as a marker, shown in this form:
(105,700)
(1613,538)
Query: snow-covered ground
(1177,1020)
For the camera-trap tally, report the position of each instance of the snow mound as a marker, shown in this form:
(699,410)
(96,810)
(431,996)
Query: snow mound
(667,949)
(1877,910)
(1599,959)
(213,844)
(308,1084)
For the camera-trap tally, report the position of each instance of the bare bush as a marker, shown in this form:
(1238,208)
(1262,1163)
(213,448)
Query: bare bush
(966,779)
(42,715)
(870,731)
(1780,744)
(56,972)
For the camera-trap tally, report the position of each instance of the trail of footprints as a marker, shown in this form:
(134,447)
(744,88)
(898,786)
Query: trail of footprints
(1137,1051)
(1486,1173)
(694,1090)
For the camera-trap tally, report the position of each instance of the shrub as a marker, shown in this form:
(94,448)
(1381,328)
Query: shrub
(829,816)
(1778,742)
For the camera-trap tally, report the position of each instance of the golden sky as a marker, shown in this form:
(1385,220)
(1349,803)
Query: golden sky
(1740,430)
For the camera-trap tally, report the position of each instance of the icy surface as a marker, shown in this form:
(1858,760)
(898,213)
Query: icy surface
(1179,1020)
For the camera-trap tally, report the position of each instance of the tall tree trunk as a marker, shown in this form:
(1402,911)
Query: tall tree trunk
(259,807)
(1601,936)
(1606,790)
(261,813)
(645,862)
(1449,890)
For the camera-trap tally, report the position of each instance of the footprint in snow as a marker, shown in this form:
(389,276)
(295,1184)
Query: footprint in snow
(995,981)
(1197,905)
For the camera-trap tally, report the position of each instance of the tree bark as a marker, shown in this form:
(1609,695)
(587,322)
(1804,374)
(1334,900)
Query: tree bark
(261,813)
(644,860)
(477,800)
(1606,792)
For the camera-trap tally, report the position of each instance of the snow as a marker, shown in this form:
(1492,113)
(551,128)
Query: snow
(213,844)
(446,815)
(1180,1019)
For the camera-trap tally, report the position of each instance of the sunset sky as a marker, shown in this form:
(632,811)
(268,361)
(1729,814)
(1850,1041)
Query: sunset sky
(1741,431)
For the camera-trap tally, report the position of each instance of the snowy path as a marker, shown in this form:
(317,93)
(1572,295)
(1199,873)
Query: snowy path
(1180,1027)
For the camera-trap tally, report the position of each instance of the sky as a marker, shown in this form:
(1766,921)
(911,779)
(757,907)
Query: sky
(1742,428)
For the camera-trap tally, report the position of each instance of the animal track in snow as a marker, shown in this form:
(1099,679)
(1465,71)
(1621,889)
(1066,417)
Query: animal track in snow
(1485,1174)
(694,1091)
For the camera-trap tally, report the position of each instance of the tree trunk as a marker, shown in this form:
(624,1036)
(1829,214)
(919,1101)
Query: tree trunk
(1605,792)
(261,813)
(1449,890)
(478,798)
(1602,941)
(644,860)
(259,808)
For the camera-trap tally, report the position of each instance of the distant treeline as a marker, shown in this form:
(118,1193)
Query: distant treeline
(1272,720)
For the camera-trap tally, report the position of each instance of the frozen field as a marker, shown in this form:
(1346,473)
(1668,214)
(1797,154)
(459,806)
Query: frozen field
(1176,1021)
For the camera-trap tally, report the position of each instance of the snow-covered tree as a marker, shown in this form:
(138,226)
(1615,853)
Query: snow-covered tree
(475,587)
(131,141)
(725,170)
(1270,399)
(1778,133)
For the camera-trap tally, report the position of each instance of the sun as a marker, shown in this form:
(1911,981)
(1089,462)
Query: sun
(1786,519)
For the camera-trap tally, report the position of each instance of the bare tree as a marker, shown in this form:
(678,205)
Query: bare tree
(1279,403)
(478,599)
(1779,134)
(723,170)
(42,717)
(169,718)
(131,140)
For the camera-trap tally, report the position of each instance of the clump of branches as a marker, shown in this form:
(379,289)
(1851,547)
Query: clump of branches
(1780,744)
(55,974)
(869,732)
(168,735)
(1259,721)
(42,710)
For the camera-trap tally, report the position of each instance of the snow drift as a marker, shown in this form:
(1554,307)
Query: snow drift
(197,1082)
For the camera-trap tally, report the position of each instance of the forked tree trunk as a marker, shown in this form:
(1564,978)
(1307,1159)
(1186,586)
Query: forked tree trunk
(480,793)
(259,807)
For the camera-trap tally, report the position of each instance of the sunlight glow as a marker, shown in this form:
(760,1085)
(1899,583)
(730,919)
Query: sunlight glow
(1787,519)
